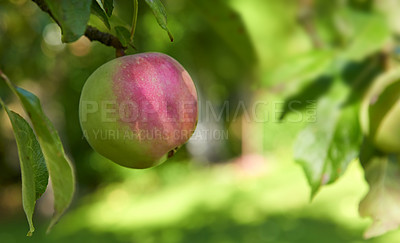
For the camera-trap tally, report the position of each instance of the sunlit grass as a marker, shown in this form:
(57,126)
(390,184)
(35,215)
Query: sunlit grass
(218,204)
(220,190)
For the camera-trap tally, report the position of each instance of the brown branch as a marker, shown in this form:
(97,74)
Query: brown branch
(305,18)
(107,39)
(91,32)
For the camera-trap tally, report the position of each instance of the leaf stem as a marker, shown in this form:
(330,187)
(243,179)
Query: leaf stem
(2,103)
(8,82)
(134,18)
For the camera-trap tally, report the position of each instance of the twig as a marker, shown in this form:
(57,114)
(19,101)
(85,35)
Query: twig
(91,32)
(107,39)
(305,18)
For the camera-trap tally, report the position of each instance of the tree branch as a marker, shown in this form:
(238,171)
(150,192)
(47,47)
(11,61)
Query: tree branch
(91,32)
(107,39)
(305,18)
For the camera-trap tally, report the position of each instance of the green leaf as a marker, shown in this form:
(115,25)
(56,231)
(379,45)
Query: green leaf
(59,167)
(108,6)
(368,151)
(308,95)
(325,148)
(72,15)
(34,174)
(371,33)
(58,164)
(304,79)
(123,35)
(99,12)
(161,15)
(227,23)
(365,5)
(300,71)
(360,75)
(382,202)
(117,21)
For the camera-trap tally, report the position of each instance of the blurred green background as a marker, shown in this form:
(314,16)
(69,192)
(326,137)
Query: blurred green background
(243,188)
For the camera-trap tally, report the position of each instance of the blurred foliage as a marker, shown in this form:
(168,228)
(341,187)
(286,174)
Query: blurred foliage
(268,54)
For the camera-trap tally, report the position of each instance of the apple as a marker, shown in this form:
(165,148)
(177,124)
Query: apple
(383,109)
(137,110)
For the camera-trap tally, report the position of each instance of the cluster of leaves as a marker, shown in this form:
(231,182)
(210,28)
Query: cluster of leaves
(41,156)
(73,17)
(340,77)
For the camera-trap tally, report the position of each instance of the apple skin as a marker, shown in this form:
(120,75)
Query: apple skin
(387,136)
(137,110)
